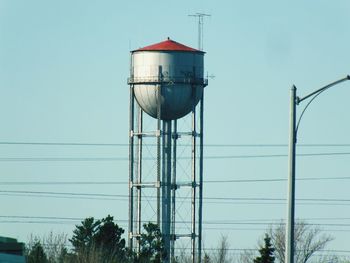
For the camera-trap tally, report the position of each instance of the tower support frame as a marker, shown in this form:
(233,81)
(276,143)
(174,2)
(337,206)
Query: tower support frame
(165,182)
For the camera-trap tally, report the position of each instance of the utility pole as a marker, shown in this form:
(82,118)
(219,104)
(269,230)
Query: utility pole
(294,126)
(200,17)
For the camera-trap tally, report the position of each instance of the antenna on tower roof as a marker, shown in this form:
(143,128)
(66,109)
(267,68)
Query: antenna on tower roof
(200,17)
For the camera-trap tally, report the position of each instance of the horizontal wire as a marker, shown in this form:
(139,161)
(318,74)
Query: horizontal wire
(206,145)
(276,179)
(206,222)
(206,202)
(63,183)
(262,199)
(205,181)
(279,145)
(64,197)
(63,159)
(254,249)
(109,159)
(62,144)
(274,155)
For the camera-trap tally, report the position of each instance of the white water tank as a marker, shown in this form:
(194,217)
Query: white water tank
(176,69)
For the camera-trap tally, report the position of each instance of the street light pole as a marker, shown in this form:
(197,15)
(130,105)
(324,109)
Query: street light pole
(294,101)
(289,256)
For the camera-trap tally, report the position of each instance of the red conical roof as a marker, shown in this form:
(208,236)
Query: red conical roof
(168,45)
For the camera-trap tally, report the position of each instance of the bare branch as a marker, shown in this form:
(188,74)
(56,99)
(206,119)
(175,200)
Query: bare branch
(308,240)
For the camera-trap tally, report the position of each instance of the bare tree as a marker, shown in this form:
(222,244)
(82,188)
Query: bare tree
(246,256)
(308,240)
(218,255)
(183,257)
(54,245)
(222,252)
(332,259)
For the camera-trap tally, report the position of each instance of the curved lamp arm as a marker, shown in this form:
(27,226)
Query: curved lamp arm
(315,95)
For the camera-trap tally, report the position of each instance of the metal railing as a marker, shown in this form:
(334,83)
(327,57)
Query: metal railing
(155,80)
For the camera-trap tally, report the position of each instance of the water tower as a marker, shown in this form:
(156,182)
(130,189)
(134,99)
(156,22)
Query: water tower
(167,83)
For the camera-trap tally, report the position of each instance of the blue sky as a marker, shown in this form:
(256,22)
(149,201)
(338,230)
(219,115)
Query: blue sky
(63,73)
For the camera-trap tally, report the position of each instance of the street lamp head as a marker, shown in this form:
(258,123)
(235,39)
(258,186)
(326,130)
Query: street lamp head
(348,76)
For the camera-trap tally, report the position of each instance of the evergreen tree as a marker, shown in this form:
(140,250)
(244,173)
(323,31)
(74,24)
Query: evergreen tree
(266,252)
(101,237)
(152,246)
(83,234)
(37,254)
(108,237)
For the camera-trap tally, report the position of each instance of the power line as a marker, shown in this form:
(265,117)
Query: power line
(276,179)
(63,159)
(278,145)
(236,251)
(43,217)
(206,222)
(261,199)
(109,159)
(205,181)
(275,155)
(63,144)
(222,202)
(61,193)
(253,145)
(64,183)
(64,196)
(318,253)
